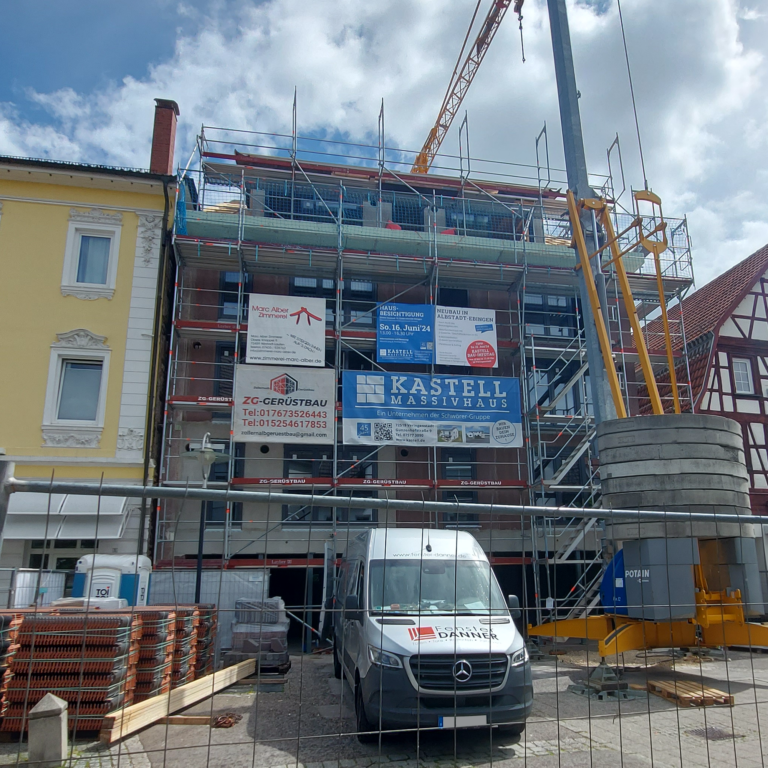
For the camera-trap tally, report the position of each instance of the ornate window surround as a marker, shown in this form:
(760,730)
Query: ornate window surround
(98,223)
(79,344)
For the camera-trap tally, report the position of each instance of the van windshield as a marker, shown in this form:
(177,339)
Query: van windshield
(434,586)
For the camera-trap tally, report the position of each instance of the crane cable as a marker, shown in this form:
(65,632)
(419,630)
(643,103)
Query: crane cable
(632,92)
(520,19)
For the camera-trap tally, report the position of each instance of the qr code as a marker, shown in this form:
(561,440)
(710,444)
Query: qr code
(382,431)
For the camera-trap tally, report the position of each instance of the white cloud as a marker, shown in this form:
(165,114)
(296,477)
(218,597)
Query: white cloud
(698,69)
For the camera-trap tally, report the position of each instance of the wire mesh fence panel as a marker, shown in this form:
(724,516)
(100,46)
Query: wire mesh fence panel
(530,635)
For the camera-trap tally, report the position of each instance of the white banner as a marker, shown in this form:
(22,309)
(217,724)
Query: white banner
(286,330)
(466,337)
(277,404)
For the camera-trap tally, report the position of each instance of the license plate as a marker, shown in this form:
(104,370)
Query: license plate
(462,721)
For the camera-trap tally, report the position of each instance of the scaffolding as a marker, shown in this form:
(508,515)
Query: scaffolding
(282,214)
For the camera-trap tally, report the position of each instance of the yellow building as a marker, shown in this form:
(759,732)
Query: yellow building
(83,260)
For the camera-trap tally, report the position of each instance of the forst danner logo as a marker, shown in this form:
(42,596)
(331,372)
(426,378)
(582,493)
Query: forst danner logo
(284,384)
(419,634)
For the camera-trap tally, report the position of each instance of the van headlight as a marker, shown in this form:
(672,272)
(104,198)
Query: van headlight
(518,657)
(383,659)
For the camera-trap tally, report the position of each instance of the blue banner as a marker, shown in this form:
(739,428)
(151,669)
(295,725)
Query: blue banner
(410,409)
(405,333)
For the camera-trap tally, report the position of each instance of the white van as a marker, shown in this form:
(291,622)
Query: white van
(424,637)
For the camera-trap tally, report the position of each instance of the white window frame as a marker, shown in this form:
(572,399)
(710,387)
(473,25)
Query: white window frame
(748,364)
(93,223)
(80,345)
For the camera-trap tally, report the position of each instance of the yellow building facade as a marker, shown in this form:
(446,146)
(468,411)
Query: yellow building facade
(81,257)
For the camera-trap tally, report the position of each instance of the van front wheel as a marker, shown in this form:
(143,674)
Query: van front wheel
(364,727)
(336,662)
(514,729)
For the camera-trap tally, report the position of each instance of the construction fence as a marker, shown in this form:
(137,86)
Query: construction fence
(608,637)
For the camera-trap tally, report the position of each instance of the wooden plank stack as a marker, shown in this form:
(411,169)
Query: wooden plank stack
(131,719)
(689,693)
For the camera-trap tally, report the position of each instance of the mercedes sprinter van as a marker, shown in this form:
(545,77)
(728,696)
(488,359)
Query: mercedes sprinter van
(424,637)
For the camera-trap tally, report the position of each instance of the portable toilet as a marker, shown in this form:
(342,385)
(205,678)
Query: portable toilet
(123,576)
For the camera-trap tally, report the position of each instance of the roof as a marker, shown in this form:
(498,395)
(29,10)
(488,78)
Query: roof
(709,306)
(63,165)
(698,364)
(412,543)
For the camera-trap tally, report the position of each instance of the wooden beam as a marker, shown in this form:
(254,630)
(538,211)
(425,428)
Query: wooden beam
(131,719)
(185,720)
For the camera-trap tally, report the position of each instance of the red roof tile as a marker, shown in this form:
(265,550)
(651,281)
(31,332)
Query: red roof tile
(697,365)
(708,307)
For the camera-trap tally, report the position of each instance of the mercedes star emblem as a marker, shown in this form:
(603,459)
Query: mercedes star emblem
(462,671)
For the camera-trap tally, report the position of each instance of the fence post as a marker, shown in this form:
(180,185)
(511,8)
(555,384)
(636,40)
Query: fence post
(48,732)
(6,473)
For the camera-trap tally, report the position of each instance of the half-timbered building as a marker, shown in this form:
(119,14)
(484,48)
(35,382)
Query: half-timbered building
(726,333)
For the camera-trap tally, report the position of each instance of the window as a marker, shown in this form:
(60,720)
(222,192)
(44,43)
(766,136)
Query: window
(76,394)
(216,514)
(229,296)
(742,377)
(305,515)
(93,259)
(80,386)
(308,461)
(459,464)
(216,511)
(90,254)
(453,297)
(38,561)
(550,315)
(322,288)
(358,299)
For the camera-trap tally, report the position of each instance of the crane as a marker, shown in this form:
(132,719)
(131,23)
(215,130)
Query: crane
(461,79)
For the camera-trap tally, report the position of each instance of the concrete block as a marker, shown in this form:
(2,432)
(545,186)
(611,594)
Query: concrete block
(676,500)
(48,732)
(620,532)
(684,466)
(671,451)
(668,423)
(688,435)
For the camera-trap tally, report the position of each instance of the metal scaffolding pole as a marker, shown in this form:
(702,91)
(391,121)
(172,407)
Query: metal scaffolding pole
(14,485)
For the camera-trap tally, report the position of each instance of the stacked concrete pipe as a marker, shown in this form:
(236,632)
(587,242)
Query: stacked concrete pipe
(678,463)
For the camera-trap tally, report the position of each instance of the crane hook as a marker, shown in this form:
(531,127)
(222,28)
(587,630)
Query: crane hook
(518,8)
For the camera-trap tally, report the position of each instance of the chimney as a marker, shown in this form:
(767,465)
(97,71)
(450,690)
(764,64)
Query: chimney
(164,137)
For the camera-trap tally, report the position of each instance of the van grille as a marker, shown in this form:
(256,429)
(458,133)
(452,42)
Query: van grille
(435,672)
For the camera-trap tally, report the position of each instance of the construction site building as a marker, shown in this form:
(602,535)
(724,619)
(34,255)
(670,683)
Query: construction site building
(279,215)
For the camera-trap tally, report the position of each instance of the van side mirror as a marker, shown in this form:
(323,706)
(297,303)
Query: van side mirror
(514,606)
(352,610)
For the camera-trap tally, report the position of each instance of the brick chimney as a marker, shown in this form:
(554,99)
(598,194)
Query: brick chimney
(164,137)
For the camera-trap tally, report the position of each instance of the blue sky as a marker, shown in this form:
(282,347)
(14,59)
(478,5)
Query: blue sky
(80,78)
(81,44)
